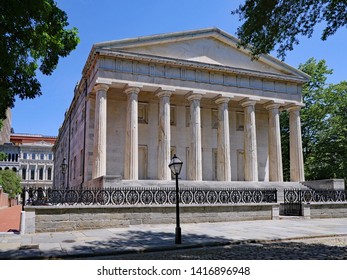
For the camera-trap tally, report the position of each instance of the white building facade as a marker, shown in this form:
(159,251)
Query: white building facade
(31,157)
(193,94)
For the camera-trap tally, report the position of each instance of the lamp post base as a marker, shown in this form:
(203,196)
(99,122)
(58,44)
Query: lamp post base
(178,238)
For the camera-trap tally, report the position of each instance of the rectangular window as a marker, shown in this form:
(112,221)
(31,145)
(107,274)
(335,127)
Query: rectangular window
(239,121)
(187,116)
(33,156)
(25,155)
(214,118)
(49,173)
(24,173)
(143,113)
(41,173)
(32,173)
(42,156)
(50,156)
(173,115)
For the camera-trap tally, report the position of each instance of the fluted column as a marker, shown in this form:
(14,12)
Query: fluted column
(296,156)
(275,149)
(131,168)
(223,140)
(164,172)
(99,147)
(250,142)
(195,154)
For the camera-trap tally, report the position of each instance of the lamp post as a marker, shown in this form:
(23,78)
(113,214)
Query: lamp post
(175,167)
(63,170)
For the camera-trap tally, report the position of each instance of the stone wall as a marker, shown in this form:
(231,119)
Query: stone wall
(65,218)
(328,210)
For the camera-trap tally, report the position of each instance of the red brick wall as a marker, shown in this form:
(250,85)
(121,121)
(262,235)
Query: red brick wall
(3,200)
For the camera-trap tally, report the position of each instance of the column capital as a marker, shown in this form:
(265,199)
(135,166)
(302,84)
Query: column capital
(219,99)
(164,93)
(194,95)
(132,90)
(249,102)
(104,87)
(294,107)
(274,104)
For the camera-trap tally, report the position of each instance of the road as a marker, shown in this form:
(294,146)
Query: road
(328,248)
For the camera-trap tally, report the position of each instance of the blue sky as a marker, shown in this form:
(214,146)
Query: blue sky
(105,20)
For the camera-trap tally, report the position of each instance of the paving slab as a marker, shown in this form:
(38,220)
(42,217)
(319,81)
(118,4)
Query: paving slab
(140,238)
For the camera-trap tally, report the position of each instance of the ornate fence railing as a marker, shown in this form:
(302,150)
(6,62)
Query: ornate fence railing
(307,196)
(147,196)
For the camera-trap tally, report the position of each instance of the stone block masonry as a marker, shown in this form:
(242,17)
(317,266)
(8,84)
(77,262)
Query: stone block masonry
(69,218)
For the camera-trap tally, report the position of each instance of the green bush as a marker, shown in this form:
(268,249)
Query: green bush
(10,182)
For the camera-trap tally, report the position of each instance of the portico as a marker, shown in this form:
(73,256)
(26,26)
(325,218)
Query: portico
(168,94)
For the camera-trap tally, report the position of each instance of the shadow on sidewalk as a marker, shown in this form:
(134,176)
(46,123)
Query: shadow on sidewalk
(160,245)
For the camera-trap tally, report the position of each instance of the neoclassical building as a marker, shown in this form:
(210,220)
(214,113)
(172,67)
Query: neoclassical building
(31,157)
(194,94)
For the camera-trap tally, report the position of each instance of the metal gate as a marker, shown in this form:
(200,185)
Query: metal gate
(292,203)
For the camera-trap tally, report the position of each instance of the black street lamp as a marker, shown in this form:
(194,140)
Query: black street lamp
(63,170)
(176,166)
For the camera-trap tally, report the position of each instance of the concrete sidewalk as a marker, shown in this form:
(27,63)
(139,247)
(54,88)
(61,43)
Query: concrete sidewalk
(141,238)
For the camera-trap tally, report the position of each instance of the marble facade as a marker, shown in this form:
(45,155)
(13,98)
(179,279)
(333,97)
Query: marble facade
(194,94)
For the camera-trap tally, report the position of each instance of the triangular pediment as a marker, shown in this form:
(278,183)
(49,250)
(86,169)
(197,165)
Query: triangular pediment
(206,46)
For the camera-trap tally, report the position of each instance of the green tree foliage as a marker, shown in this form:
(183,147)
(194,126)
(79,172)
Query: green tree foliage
(324,125)
(33,36)
(267,23)
(10,183)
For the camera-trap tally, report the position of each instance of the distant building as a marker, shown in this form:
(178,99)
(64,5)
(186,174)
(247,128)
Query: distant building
(194,94)
(31,156)
(12,157)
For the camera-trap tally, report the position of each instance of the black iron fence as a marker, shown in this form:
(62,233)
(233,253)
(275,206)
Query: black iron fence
(146,196)
(294,198)
(308,196)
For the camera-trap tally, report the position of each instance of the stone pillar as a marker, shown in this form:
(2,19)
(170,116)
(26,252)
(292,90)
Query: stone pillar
(195,153)
(296,156)
(223,140)
(164,172)
(131,168)
(251,158)
(99,147)
(275,149)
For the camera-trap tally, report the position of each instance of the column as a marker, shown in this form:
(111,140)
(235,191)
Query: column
(99,147)
(296,156)
(223,140)
(275,149)
(251,159)
(131,168)
(195,153)
(164,172)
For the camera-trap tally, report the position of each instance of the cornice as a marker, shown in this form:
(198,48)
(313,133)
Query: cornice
(198,65)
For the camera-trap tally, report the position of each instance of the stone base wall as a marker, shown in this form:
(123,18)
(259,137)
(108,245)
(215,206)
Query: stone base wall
(67,218)
(325,210)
